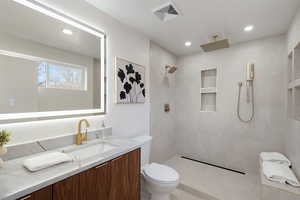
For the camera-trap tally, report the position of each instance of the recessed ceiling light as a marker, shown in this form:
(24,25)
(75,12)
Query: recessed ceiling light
(67,31)
(188,43)
(249,28)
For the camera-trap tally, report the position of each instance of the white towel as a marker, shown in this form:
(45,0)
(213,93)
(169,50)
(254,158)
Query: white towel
(46,160)
(275,157)
(279,173)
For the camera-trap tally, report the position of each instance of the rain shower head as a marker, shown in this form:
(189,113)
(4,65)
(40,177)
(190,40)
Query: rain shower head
(215,44)
(171,69)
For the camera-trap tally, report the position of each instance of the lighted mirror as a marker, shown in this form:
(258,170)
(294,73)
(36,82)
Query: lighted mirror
(50,64)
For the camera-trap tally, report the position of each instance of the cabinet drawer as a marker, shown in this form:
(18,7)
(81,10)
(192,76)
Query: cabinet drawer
(43,194)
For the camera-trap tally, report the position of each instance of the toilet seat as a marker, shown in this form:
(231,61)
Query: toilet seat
(161,174)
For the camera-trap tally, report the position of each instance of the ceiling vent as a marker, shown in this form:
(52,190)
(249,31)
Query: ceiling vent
(166,12)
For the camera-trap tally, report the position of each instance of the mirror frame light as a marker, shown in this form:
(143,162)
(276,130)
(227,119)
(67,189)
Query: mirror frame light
(70,20)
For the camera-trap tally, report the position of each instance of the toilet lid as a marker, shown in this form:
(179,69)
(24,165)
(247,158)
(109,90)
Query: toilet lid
(161,173)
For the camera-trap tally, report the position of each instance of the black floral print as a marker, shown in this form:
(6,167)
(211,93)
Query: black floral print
(129,69)
(132,80)
(122,95)
(138,77)
(121,75)
(127,87)
(133,87)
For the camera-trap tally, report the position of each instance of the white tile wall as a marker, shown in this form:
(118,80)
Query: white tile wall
(220,138)
(162,91)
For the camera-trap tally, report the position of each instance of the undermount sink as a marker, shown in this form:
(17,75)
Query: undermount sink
(86,151)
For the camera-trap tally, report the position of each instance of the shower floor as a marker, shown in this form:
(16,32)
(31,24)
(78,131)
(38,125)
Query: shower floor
(202,182)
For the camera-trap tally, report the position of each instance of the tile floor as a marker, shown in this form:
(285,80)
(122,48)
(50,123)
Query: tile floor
(179,194)
(203,182)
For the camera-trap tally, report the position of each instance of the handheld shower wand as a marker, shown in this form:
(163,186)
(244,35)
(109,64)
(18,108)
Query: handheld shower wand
(249,85)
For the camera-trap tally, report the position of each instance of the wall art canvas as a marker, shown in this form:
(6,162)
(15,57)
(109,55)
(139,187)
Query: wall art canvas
(130,82)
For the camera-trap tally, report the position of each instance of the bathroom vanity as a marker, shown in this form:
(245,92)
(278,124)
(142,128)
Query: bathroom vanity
(116,179)
(107,175)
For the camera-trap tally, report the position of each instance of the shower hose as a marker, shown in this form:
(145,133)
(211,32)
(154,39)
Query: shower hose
(252,103)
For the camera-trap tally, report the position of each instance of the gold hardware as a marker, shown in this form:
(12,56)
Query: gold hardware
(167,107)
(215,37)
(80,137)
(27,197)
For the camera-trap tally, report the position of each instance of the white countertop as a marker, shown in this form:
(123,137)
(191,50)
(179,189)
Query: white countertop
(16,181)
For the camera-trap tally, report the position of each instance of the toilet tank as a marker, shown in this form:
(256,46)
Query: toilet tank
(145,142)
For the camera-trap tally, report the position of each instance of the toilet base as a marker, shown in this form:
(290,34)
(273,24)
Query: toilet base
(161,197)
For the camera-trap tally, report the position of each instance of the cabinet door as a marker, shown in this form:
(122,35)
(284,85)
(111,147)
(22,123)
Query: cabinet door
(44,194)
(134,174)
(95,183)
(66,189)
(119,179)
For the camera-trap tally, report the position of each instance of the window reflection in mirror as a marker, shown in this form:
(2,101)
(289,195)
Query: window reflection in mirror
(59,76)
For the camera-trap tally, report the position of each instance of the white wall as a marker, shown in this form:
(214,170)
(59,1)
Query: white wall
(162,91)
(292,136)
(293,36)
(18,85)
(220,138)
(122,41)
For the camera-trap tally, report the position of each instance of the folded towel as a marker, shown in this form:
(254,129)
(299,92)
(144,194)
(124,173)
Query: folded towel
(275,157)
(46,160)
(279,173)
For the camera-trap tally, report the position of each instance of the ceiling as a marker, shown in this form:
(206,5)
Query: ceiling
(202,18)
(31,25)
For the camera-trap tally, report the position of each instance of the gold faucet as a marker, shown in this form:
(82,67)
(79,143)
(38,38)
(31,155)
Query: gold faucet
(80,137)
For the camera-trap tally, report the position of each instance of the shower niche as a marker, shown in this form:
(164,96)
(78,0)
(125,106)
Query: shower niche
(208,89)
(293,90)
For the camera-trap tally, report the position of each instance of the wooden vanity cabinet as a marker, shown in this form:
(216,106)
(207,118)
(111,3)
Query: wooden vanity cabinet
(43,194)
(95,183)
(118,179)
(134,170)
(119,188)
(66,189)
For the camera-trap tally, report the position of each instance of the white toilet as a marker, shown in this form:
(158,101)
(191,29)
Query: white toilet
(159,180)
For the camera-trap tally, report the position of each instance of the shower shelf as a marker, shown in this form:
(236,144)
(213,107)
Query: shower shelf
(296,83)
(293,87)
(208,89)
(293,84)
(290,67)
(296,63)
